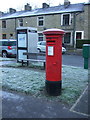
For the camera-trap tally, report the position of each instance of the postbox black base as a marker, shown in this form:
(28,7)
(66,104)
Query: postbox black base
(53,88)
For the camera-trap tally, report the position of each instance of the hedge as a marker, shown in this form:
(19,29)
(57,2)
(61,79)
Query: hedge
(79,43)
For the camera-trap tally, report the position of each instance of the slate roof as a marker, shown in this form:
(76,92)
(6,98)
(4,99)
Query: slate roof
(45,11)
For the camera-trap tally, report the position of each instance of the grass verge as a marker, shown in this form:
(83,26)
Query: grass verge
(32,81)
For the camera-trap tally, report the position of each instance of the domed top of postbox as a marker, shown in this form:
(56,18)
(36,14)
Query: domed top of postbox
(54,31)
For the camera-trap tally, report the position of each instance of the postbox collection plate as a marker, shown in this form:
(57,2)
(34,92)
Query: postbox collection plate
(50,50)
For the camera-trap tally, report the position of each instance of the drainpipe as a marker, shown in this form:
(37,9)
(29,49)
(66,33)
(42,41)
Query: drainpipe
(15,28)
(74,29)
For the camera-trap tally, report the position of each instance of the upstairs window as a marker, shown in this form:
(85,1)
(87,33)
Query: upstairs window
(66,19)
(40,21)
(20,22)
(3,24)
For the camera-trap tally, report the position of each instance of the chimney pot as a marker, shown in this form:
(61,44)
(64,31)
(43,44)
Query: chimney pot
(28,7)
(44,5)
(11,10)
(66,3)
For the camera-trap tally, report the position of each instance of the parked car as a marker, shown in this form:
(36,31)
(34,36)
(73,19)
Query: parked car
(7,47)
(41,46)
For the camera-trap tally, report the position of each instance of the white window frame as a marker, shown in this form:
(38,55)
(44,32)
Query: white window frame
(70,17)
(39,20)
(82,37)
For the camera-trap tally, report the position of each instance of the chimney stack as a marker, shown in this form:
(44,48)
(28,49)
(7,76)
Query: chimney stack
(11,10)
(28,7)
(44,5)
(1,13)
(66,3)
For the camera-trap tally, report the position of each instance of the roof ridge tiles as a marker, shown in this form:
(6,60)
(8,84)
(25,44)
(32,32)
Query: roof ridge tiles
(43,11)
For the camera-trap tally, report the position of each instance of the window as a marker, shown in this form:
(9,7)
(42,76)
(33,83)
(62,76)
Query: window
(3,36)
(79,35)
(67,38)
(4,24)
(40,21)
(4,43)
(12,43)
(20,22)
(66,19)
(40,37)
(42,43)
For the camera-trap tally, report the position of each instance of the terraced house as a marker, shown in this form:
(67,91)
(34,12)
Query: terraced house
(73,18)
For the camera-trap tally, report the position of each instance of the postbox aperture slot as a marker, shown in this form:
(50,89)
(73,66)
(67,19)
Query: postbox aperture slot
(51,41)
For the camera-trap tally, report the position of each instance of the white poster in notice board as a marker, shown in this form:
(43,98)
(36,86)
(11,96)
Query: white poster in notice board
(22,40)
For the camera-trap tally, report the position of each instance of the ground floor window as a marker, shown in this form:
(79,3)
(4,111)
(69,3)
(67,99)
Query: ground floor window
(40,37)
(3,36)
(79,35)
(67,38)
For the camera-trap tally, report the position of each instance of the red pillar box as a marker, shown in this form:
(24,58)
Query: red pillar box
(53,61)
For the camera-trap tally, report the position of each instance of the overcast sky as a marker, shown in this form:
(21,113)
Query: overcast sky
(19,4)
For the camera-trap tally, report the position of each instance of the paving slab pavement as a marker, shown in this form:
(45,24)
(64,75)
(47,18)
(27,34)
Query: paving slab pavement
(25,106)
(82,104)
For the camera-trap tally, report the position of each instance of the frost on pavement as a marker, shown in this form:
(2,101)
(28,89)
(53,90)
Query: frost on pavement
(74,81)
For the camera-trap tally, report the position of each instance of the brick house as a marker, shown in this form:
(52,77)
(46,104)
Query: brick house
(73,18)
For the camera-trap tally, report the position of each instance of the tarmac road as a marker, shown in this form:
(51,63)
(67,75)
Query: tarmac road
(72,60)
